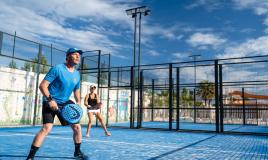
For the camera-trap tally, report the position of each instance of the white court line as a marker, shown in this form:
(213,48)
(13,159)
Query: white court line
(113,142)
(139,144)
(221,151)
(61,132)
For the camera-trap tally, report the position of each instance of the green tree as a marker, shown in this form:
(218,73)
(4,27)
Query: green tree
(103,75)
(186,97)
(43,66)
(206,91)
(12,64)
(27,66)
(161,99)
(43,62)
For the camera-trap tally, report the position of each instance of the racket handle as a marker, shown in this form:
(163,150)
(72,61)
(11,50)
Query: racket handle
(59,109)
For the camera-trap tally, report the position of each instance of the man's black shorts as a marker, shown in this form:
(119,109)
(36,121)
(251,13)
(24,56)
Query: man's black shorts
(48,114)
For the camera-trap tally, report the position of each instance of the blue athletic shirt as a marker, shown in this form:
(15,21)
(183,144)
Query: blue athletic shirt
(62,82)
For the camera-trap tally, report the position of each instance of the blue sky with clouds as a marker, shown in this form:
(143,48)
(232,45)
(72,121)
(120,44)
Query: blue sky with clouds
(174,30)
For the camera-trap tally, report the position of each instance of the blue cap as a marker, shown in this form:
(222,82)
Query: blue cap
(73,50)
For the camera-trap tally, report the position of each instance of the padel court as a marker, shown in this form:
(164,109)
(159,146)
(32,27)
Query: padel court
(133,144)
(178,110)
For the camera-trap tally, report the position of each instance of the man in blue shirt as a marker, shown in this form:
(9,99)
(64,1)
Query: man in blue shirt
(56,87)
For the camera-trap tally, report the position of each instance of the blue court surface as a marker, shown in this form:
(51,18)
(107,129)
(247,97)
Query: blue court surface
(202,127)
(133,144)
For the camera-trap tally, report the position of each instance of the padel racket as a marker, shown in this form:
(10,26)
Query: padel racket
(71,113)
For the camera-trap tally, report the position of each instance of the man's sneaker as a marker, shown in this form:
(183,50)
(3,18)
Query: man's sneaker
(30,158)
(80,155)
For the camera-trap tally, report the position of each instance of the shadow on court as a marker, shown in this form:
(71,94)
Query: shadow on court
(176,150)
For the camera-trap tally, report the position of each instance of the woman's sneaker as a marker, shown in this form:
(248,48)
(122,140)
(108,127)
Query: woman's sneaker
(107,134)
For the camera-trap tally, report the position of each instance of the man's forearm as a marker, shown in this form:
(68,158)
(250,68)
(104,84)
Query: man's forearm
(44,90)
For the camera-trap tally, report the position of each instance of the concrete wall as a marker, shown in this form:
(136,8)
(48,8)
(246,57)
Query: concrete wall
(17,99)
(17,96)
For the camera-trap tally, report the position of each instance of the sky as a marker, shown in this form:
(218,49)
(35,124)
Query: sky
(174,30)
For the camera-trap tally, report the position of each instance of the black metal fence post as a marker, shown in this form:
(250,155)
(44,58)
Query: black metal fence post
(14,45)
(37,83)
(244,107)
(170,96)
(152,116)
(141,97)
(132,97)
(117,95)
(216,75)
(221,99)
(108,90)
(178,100)
(195,103)
(140,104)
(98,78)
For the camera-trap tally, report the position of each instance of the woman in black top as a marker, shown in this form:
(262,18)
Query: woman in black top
(93,104)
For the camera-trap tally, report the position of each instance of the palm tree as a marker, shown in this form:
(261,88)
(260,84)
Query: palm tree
(206,91)
(161,99)
(186,97)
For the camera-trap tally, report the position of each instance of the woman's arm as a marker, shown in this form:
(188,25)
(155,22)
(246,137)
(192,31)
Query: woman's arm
(98,99)
(86,100)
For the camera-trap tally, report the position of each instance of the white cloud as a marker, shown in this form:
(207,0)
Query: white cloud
(247,72)
(202,73)
(265,21)
(175,32)
(259,7)
(251,47)
(153,53)
(109,10)
(52,22)
(164,32)
(149,32)
(47,22)
(180,56)
(210,5)
(159,74)
(254,46)
(194,29)
(202,40)
(179,37)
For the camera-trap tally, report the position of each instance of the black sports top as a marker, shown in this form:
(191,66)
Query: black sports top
(92,102)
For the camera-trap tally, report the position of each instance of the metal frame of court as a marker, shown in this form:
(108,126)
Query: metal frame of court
(248,114)
(173,81)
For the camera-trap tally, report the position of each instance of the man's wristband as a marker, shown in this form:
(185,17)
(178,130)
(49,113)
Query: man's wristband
(49,98)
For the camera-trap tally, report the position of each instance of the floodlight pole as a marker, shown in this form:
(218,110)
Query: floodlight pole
(133,12)
(139,55)
(135,30)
